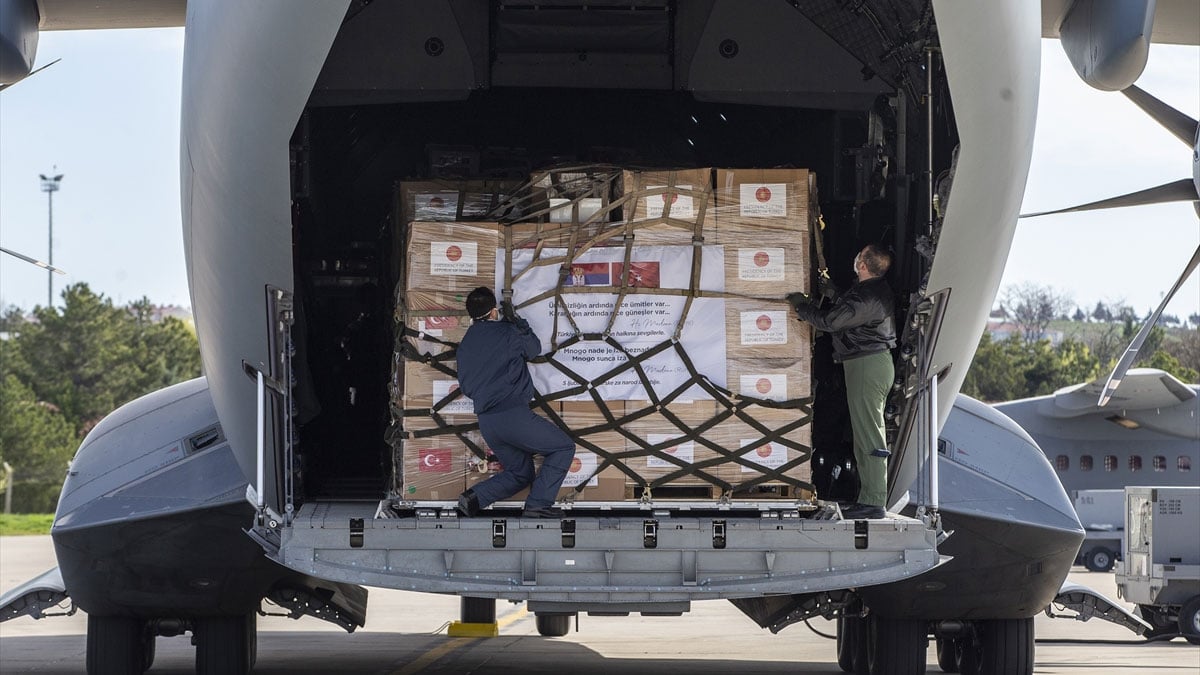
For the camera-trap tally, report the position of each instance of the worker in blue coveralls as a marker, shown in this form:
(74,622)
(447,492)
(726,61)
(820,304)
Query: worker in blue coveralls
(493,374)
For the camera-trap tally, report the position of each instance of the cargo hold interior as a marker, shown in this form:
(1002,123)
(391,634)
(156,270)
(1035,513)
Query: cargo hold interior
(511,116)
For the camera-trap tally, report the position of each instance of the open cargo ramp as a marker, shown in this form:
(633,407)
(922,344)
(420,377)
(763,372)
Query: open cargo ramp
(604,553)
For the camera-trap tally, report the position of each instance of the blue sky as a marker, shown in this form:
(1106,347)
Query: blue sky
(107,116)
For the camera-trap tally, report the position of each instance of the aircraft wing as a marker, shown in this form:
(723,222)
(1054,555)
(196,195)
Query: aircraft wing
(1176,22)
(91,15)
(35,596)
(1142,389)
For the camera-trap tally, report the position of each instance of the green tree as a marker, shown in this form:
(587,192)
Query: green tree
(91,356)
(1164,361)
(1013,369)
(38,441)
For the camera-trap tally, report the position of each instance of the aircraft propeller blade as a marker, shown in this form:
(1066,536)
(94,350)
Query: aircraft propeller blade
(1179,124)
(31,74)
(27,259)
(1183,190)
(1131,352)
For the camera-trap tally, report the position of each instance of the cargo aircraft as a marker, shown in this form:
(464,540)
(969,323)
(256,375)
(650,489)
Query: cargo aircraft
(183,510)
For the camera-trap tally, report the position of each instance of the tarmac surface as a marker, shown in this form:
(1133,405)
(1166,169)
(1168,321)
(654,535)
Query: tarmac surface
(405,634)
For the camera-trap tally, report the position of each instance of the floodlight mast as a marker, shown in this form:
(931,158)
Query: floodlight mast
(50,185)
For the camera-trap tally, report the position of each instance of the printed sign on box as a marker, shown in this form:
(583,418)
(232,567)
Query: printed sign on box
(685,451)
(760,264)
(772,387)
(436,460)
(682,205)
(769,455)
(583,469)
(766,327)
(462,404)
(763,200)
(454,258)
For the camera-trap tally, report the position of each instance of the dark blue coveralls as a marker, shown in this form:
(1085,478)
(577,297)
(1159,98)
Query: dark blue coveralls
(493,374)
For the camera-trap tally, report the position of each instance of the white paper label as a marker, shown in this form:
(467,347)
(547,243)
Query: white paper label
(424,327)
(583,469)
(439,206)
(771,387)
(460,405)
(682,205)
(763,200)
(760,264)
(685,451)
(766,327)
(454,257)
(769,455)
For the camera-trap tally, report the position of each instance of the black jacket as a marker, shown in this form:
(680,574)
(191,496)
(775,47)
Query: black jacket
(491,364)
(859,320)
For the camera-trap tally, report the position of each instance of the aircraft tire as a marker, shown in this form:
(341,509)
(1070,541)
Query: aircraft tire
(1005,647)
(149,640)
(1189,620)
(226,644)
(846,642)
(115,644)
(1159,623)
(948,650)
(553,625)
(1099,559)
(895,646)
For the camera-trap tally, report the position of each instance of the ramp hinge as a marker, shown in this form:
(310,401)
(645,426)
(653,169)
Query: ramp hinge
(499,533)
(860,534)
(568,533)
(356,532)
(650,534)
(718,534)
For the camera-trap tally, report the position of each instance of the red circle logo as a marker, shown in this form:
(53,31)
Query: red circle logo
(763,194)
(576,465)
(673,449)
(764,451)
(761,259)
(763,385)
(454,387)
(453,253)
(437,203)
(763,322)
(670,197)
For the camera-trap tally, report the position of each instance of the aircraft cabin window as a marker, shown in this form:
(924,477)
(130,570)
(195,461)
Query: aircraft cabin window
(1184,463)
(1062,462)
(1160,463)
(1110,462)
(1085,462)
(1135,462)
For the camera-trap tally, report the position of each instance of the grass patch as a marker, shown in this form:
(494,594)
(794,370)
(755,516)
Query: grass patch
(25,523)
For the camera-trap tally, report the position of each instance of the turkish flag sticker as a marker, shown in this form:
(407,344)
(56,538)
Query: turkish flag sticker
(435,460)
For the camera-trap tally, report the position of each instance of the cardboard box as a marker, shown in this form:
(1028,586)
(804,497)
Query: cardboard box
(605,485)
(425,386)
(453,200)
(760,261)
(764,330)
(678,195)
(434,468)
(450,257)
(770,379)
(771,198)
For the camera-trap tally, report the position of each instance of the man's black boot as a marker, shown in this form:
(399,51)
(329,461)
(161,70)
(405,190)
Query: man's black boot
(862,512)
(544,512)
(468,504)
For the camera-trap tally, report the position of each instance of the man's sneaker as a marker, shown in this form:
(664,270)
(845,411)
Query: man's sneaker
(862,512)
(468,504)
(546,512)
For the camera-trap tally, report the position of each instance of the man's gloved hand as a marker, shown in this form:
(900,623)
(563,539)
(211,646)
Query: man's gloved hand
(510,314)
(797,299)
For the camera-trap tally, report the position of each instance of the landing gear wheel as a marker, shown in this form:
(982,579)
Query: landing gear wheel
(1005,647)
(895,646)
(847,642)
(947,654)
(115,644)
(553,625)
(1099,559)
(1189,620)
(149,638)
(226,644)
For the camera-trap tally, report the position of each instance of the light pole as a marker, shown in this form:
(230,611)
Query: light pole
(50,185)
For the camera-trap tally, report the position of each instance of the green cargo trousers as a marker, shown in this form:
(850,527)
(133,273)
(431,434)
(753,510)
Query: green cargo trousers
(868,379)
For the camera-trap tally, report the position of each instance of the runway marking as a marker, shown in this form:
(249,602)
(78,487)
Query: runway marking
(430,657)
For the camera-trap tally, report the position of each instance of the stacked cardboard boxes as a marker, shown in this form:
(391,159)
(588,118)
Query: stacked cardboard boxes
(762,219)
